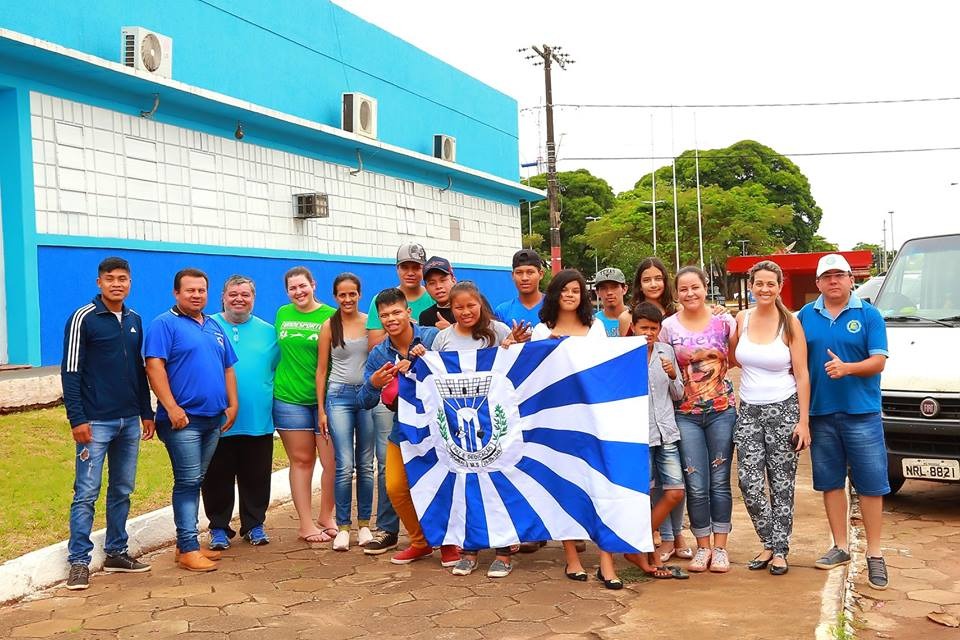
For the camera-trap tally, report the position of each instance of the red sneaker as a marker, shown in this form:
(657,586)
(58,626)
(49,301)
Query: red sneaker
(449,555)
(410,554)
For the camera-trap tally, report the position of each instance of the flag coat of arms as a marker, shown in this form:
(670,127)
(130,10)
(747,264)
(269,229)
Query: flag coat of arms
(545,440)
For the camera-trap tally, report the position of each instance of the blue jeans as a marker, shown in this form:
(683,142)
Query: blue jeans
(118,440)
(351,427)
(190,450)
(706,446)
(387,519)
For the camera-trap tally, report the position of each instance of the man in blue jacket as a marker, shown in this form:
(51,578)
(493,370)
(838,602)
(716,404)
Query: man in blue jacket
(106,396)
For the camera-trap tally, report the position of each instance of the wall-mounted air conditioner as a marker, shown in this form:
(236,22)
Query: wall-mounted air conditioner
(360,114)
(445,147)
(311,205)
(145,50)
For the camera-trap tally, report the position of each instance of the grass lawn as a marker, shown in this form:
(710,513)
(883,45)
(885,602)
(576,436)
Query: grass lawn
(36,480)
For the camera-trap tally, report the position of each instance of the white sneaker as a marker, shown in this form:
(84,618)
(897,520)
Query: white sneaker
(342,541)
(364,536)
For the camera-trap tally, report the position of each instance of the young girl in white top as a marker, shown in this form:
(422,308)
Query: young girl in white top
(567,312)
(772,425)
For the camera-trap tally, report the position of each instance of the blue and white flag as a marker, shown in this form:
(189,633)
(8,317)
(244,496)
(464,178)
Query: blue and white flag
(545,440)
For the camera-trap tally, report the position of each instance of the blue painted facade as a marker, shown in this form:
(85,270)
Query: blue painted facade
(62,290)
(294,57)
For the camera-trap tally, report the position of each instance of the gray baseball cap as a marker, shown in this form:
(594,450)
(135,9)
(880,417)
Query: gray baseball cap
(610,274)
(412,252)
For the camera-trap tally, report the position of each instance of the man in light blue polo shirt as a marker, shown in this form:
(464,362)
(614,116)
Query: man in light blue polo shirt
(244,454)
(846,352)
(525,307)
(190,368)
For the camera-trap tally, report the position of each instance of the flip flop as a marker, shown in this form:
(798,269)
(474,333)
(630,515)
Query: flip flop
(660,573)
(326,537)
(314,538)
(678,572)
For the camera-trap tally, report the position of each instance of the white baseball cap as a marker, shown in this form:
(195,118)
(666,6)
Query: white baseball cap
(833,262)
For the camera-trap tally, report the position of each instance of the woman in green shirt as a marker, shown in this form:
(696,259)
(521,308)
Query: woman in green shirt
(295,404)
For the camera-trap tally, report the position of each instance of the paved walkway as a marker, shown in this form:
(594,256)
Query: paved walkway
(290,590)
(922,547)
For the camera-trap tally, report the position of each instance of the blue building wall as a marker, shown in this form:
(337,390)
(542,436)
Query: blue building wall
(70,274)
(298,57)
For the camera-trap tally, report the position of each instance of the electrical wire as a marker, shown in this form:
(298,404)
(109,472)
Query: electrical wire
(804,154)
(746,105)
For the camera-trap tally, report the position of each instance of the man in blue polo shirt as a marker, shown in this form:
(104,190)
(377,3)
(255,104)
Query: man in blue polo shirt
(524,309)
(244,454)
(190,367)
(846,352)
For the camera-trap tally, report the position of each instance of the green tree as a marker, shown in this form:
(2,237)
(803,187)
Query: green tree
(877,252)
(748,163)
(582,196)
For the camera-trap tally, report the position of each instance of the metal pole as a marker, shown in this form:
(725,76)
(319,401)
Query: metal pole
(653,186)
(893,246)
(884,262)
(696,155)
(676,222)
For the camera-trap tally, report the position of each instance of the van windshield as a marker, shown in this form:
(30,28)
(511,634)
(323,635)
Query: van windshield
(924,282)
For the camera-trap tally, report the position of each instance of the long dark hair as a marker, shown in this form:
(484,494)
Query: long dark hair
(483,329)
(786,318)
(336,320)
(551,300)
(666,299)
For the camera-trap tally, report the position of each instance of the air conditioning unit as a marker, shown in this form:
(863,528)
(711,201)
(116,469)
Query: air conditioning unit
(360,114)
(445,147)
(145,50)
(311,205)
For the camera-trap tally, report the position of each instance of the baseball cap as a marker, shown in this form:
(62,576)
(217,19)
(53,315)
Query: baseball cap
(527,258)
(436,263)
(833,262)
(609,274)
(412,252)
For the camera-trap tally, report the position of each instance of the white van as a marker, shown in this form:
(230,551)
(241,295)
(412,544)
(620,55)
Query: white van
(920,301)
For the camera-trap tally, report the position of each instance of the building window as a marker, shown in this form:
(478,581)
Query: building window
(455,229)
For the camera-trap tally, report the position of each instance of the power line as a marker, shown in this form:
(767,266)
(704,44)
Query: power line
(746,105)
(754,155)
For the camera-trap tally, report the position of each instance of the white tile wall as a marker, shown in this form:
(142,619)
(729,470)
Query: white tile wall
(105,174)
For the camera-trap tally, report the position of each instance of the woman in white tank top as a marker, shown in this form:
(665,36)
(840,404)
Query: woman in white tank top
(772,425)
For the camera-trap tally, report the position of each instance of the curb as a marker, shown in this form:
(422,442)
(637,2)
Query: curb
(837,597)
(46,567)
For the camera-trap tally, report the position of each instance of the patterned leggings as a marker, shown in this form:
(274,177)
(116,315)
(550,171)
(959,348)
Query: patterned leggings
(765,457)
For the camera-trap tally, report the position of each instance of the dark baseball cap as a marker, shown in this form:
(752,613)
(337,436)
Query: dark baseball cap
(436,263)
(527,258)
(412,252)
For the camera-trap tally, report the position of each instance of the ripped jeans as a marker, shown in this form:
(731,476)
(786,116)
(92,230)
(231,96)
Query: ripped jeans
(706,446)
(119,442)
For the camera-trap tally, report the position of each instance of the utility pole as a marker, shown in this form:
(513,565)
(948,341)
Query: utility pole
(548,55)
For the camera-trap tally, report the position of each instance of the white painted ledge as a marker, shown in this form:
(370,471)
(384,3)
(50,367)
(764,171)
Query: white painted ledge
(46,567)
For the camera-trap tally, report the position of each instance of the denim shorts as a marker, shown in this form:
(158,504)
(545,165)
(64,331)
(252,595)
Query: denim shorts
(666,470)
(295,417)
(842,440)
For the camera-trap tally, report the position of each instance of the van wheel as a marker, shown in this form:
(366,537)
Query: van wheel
(896,483)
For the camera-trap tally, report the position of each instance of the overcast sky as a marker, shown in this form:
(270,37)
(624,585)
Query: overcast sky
(730,52)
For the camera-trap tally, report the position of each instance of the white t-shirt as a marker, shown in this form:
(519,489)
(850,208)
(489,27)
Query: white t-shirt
(597,330)
(449,340)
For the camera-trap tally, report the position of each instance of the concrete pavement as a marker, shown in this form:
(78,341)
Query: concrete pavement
(290,590)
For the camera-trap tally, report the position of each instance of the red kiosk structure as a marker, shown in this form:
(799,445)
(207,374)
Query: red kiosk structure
(799,273)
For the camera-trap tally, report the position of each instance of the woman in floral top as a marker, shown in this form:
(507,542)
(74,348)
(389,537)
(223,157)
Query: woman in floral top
(706,416)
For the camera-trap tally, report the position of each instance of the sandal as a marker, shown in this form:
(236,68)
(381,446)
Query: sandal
(314,538)
(660,573)
(678,572)
(326,536)
(685,554)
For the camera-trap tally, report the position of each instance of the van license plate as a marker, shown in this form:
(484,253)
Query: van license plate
(927,469)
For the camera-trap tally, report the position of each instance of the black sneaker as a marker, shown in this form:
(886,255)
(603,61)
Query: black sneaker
(834,557)
(79,577)
(382,542)
(123,563)
(877,573)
